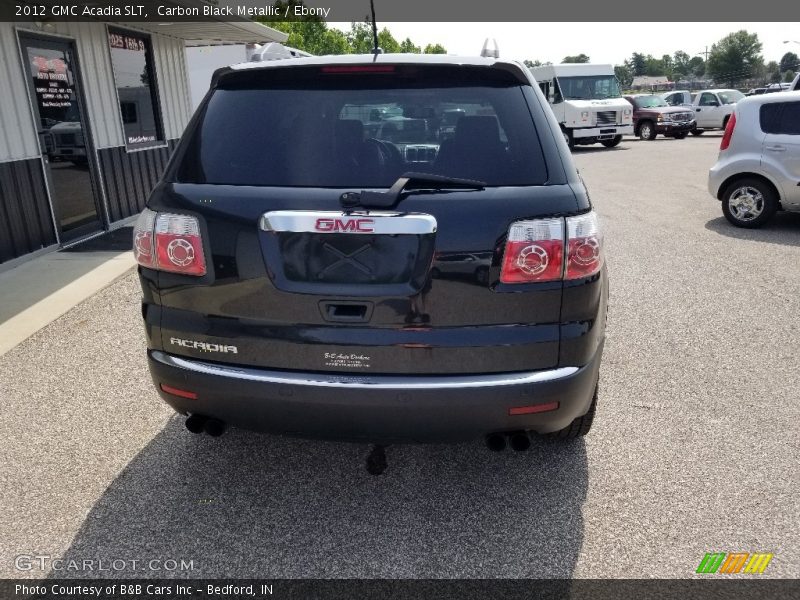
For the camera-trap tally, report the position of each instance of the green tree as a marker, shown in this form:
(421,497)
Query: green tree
(408,46)
(789,62)
(638,64)
(434,49)
(680,63)
(578,58)
(387,42)
(360,38)
(772,72)
(735,57)
(788,77)
(624,75)
(697,66)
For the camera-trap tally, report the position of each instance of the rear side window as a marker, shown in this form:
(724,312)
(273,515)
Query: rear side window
(308,127)
(780,118)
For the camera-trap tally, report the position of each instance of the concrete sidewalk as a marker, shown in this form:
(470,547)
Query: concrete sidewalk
(37,292)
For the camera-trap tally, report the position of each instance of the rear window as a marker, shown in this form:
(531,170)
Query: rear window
(780,118)
(304,127)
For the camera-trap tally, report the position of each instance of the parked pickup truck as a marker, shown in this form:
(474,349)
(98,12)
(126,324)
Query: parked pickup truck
(711,108)
(652,115)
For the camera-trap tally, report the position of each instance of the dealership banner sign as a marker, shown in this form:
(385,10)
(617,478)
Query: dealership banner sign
(389,11)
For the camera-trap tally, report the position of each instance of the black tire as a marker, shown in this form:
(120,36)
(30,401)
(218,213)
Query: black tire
(764,202)
(680,136)
(612,142)
(647,131)
(579,426)
(698,131)
(569,138)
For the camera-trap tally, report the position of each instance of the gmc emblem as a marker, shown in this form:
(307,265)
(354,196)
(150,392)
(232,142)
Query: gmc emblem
(358,225)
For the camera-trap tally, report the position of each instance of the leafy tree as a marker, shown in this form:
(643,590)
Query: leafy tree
(360,38)
(579,58)
(680,63)
(408,46)
(638,64)
(434,49)
(773,72)
(387,42)
(789,62)
(697,66)
(788,77)
(624,74)
(735,57)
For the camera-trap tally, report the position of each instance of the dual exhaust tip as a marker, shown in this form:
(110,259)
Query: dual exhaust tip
(519,441)
(200,424)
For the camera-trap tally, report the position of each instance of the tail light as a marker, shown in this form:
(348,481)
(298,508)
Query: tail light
(726,138)
(169,242)
(535,250)
(584,246)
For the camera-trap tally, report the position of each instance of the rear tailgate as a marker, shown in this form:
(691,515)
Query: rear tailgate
(458,319)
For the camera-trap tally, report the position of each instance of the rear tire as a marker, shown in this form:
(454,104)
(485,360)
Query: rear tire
(647,131)
(580,426)
(612,142)
(749,203)
(698,131)
(680,136)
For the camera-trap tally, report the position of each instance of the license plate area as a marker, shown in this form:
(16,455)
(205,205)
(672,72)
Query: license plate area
(350,254)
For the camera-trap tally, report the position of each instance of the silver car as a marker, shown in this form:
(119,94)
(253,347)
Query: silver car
(758,169)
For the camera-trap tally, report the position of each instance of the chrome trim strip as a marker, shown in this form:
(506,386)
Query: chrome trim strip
(360,222)
(383,382)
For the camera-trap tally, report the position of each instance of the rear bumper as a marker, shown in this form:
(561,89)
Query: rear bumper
(376,408)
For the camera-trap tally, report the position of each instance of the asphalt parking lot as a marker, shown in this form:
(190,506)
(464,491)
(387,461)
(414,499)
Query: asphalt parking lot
(695,447)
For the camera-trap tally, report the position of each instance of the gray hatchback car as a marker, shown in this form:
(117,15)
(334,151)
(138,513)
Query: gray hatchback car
(758,169)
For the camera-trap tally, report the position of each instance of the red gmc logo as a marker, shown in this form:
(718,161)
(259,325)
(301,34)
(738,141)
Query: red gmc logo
(360,225)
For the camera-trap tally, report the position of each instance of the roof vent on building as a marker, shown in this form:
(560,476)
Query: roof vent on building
(493,52)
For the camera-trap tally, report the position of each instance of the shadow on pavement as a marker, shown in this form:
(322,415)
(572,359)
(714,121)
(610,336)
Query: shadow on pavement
(265,506)
(783,228)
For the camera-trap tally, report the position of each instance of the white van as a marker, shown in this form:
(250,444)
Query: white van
(587,103)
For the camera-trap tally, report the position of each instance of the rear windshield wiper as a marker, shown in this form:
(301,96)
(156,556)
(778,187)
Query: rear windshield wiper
(405,184)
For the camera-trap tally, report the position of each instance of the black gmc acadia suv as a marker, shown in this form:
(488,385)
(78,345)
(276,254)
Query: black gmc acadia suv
(327,255)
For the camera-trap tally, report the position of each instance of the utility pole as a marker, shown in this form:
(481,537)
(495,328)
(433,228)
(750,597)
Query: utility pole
(706,53)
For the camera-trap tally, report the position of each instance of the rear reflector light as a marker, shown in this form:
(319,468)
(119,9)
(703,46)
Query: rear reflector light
(169,242)
(342,69)
(726,137)
(178,392)
(536,408)
(534,251)
(584,246)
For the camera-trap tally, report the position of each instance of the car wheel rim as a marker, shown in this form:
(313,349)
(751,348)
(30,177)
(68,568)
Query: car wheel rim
(566,137)
(645,130)
(746,203)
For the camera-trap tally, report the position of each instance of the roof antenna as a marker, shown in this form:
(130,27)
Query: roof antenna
(375,48)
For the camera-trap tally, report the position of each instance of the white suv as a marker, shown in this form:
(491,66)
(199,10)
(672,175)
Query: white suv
(758,169)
